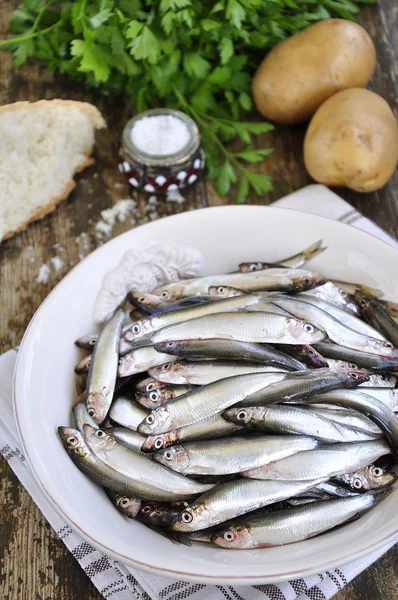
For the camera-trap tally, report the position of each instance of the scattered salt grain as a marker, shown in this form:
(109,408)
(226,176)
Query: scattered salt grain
(32,259)
(153,215)
(153,200)
(160,135)
(175,196)
(44,274)
(103,228)
(118,186)
(119,211)
(57,263)
(95,176)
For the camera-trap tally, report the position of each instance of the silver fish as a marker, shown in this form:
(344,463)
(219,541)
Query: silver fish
(161,395)
(125,412)
(294,524)
(244,327)
(378,412)
(127,505)
(81,416)
(293,420)
(234,498)
(131,439)
(230,350)
(205,402)
(377,315)
(141,359)
(306,384)
(347,318)
(375,379)
(337,331)
(87,341)
(267,280)
(84,365)
(294,262)
(144,328)
(349,418)
(103,369)
(87,461)
(323,462)
(371,477)
(388,396)
(139,467)
(225,291)
(351,288)
(212,428)
(204,372)
(362,359)
(228,455)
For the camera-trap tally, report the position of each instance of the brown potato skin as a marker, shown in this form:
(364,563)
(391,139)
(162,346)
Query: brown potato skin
(303,71)
(352,141)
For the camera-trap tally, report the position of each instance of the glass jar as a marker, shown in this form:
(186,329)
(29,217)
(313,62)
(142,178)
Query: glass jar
(160,173)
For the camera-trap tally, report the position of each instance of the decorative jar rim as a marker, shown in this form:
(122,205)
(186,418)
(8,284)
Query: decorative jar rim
(164,160)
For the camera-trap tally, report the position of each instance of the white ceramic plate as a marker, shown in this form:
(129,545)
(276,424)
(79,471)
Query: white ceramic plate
(44,390)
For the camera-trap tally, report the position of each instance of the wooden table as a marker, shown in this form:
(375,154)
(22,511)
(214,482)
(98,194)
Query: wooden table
(34,563)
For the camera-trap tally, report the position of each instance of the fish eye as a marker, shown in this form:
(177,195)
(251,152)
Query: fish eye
(376,471)
(150,386)
(72,440)
(100,434)
(253,268)
(186,517)
(308,328)
(307,281)
(354,376)
(92,341)
(147,509)
(168,455)
(352,366)
(229,536)
(166,367)
(388,345)
(124,502)
(164,294)
(362,302)
(141,300)
(241,416)
(169,344)
(91,412)
(311,352)
(158,443)
(153,396)
(343,294)
(357,484)
(150,419)
(221,289)
(136,328)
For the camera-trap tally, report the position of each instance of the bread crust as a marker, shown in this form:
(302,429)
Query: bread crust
(97,121)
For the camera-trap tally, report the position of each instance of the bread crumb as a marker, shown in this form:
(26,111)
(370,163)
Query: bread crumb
(44,274)
(57,263)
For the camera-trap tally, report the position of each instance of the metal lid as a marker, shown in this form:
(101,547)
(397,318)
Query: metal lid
(164,160)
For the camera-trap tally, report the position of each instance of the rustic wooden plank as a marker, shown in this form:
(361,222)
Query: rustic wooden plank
(34,563)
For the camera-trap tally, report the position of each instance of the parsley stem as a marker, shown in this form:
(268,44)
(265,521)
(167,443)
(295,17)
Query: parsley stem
(31,35)
(195,113)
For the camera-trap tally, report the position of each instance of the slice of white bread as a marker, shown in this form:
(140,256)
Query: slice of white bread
(42,145)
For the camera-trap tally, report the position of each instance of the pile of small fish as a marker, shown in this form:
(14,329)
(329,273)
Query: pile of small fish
(249,409)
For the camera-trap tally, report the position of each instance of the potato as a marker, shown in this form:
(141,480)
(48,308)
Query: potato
(352,140)
(303,71)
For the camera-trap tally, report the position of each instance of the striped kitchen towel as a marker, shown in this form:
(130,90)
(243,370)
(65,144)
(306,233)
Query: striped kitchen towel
(119,582)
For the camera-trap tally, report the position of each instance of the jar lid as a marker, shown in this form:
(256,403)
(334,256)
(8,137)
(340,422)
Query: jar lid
(141,154)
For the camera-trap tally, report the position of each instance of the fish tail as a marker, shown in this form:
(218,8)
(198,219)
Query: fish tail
(313,250)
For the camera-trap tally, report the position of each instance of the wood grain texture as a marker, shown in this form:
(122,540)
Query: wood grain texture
(34,564)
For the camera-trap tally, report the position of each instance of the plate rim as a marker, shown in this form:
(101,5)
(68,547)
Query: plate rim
(168,572)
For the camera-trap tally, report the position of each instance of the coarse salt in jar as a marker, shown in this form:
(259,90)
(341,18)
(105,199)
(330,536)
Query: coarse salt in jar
(161,151)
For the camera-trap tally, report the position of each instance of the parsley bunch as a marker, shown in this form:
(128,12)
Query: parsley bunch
(196,55)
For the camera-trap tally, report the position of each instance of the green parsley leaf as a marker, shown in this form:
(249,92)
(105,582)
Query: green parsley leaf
(195,65)
(93,58)
(226,48)
(235,13)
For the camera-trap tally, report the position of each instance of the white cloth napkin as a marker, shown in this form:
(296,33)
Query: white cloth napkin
(119,582)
